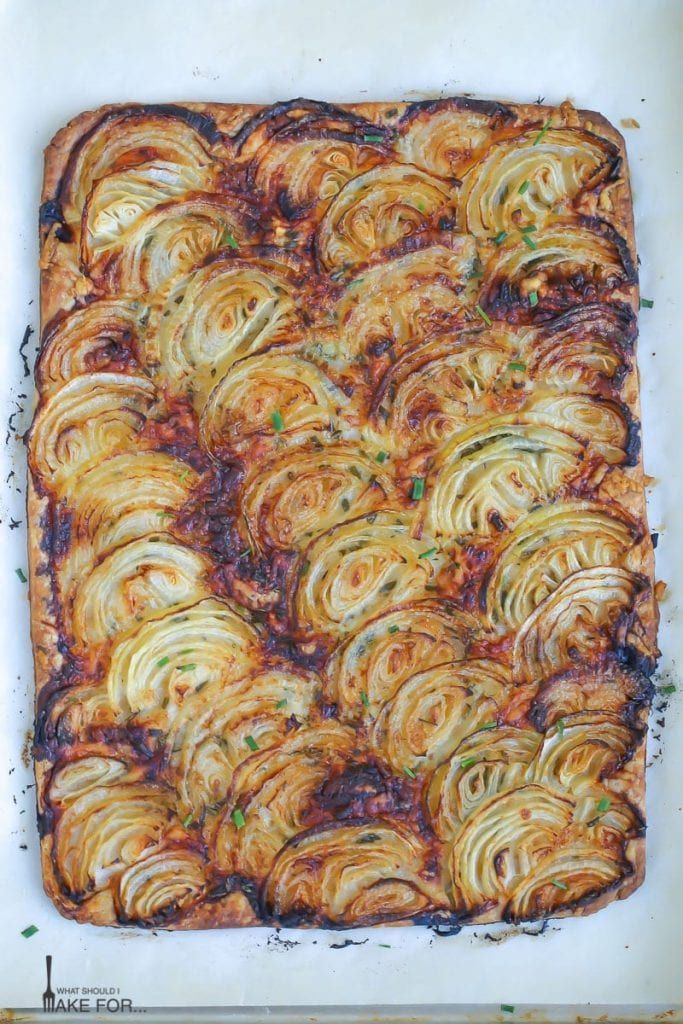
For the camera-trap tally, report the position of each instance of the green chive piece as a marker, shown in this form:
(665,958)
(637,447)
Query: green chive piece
(418,488)
(484,315)
(187,668)
(489,725)
(187,820)
(163,661)
(184,475)
(345,504)
(305,566)
(604,805)
(281,704)
(364,699)
(20,574)
(541,135)
(428,553)
(165,515)
(528,229)
(384,945)
(467,762)
(533,298)
(229,239)
(245,553)
(560,727)
(505,1008)
(558,884)
(647,303)
(500,238)
(238,818)
(409,772)
(381,457)
(667,690)
(517,366)
(529,242)
(373,138)
(251,742)
(277,421)
(523,188)
(28,932)
(394,629)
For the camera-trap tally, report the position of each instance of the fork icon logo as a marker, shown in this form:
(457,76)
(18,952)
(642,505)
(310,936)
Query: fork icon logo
(48,994)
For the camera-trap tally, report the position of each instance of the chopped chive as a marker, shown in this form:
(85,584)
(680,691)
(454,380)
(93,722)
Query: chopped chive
(421,207)
(409,772)
(163,661)
(528,229)
(364,699)
(667,690)
(517,366)
(529,241)
(500,238)
(345,504)
(604,804)
(20,574)
(354,471)
(533,298)
(305,566)
(418,488)
(245,553)
(558,884)
(281,704)
(428,553)
(28,932)
(384,945)
(187,820)
(229,239)
(277,421)
(187,668)
(381,457)
(467,762)
(523,188)
(251,742)
(387,587)
(488,725)
(560,727)
(485,317)
(373,138)
(505,1008)
(165,515)
(394,629)
(542,133)
(188,650)
(647,303)
(184,475)
(238,818)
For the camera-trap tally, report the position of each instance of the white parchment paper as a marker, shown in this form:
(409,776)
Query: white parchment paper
(59,57)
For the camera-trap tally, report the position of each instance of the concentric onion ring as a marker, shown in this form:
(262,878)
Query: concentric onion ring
(429,715)
(304,492)
(600,422)
(266,396)
(519,180)
(75,778)
(218,314)
(122,498)
(221,723)
(88,419)
(545,548)
(350,875)
(485,764)
(154,671)
(488,477)
(148,575)
(159,886)
(358,569)
(442,136)
(376,210)
(610,687)
(273,790)
(93,337)
(385,652)
(434,389)
(575,622)
(406,298)
(172,238)
(589,746)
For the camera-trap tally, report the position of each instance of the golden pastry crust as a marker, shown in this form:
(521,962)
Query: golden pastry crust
(337,516)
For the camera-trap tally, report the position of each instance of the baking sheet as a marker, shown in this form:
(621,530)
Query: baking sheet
(621,58)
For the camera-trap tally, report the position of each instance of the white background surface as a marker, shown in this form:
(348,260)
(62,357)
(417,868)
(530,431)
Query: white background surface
(63,56)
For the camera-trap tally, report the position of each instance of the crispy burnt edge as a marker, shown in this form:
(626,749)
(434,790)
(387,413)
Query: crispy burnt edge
(59,293)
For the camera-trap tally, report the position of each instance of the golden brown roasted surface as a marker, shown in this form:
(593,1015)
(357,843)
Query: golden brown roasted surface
(341,581)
